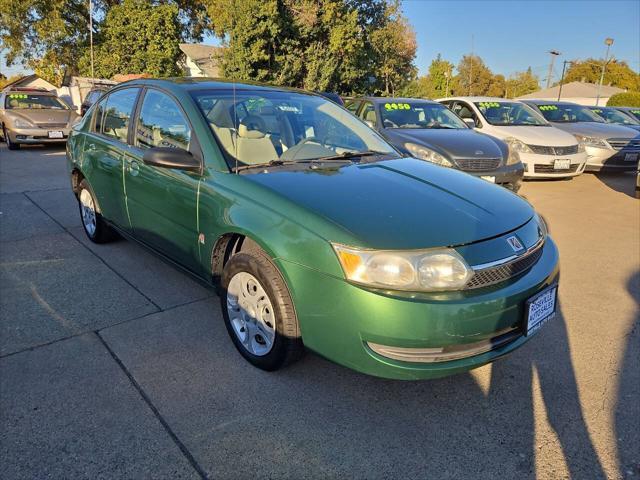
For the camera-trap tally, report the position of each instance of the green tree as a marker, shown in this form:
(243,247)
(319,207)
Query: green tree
(497,86)
(617,73)
(522,83)
(474,77)
(436,84)
(138,36)
(626,99)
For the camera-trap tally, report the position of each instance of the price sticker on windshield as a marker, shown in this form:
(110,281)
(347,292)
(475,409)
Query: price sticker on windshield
(17,95)
(546,108)
(397,106)
(489,105)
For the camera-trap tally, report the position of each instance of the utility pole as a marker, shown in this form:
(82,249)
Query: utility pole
(91,35)
(608,42)
(471,64)
(564,66)
(554,54)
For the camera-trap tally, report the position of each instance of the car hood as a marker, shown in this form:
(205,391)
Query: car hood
(401,204)
(454,143)
(598,130)
(549,136)
(43,116)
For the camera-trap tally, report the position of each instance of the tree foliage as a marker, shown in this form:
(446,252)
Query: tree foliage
(437,83)
(137,36)
(521,83)
(474,77)
(317,45)
(617,73)
(626,99)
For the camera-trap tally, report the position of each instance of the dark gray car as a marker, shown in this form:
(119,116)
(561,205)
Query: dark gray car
(608,146)
(429,131)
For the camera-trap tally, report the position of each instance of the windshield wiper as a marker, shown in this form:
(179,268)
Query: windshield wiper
(332,158)
(349,155)
(272,163)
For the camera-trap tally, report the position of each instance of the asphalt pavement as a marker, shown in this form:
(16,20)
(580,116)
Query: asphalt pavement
(115,365)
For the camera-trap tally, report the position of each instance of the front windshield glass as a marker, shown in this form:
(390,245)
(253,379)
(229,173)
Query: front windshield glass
(611,115)
(261,126)
(34,101)
(510,113)
(567,113)
(635,112)
(418,115)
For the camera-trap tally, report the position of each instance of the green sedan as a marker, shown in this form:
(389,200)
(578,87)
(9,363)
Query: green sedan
(317,233)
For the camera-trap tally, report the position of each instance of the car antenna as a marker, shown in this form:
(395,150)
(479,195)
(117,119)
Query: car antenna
(233,88)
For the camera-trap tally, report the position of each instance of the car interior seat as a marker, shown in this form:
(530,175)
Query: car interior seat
(253,144)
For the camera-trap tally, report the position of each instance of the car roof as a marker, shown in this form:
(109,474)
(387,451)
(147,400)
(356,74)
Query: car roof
(548,102)
(378,100)
(206,83)
(480,99)
(30,91)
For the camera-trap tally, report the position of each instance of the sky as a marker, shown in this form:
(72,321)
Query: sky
(511,35)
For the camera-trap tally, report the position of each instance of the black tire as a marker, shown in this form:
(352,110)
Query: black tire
(10,145)
(102,232)
(287,345)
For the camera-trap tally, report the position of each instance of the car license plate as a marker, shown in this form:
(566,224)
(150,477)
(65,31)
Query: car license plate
(631,157)
(489,179)
(562,164)
(541,308)
(56,134)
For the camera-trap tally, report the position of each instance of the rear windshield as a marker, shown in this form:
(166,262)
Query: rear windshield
(568,113)
(510,113)
(34,101)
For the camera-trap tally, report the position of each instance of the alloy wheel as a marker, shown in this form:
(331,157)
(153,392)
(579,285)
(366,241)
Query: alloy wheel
(88,212)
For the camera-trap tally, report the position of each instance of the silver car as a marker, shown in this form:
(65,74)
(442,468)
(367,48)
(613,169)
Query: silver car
(609,147)
(32,116)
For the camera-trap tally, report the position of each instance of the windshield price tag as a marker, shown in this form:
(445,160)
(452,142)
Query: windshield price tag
(489,105)
(17,95)
(397,106)
(546,108)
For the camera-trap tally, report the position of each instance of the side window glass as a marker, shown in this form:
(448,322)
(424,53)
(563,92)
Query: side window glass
(352,107)
(97,116)
(117,113)
(464,112)
(368,114)
(161,123)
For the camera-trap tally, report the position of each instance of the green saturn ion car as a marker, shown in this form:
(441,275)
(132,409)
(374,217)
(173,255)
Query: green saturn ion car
(317,233)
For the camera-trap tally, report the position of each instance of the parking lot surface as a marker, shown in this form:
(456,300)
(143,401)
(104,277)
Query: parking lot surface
(115,365)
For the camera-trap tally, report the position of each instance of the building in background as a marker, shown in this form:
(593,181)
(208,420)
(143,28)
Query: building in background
(581,93)
(201,60)
(31,81)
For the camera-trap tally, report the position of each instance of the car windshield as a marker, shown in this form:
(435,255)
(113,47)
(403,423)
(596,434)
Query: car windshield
(510,113)
(408,114)
(635,112)
(34,101)
(261,126)
(567,113)
(611,115)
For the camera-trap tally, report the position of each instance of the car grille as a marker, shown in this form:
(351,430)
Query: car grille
(542,168)
(620,143)
(478,164)
(544,150)
(506,271)
(51,125)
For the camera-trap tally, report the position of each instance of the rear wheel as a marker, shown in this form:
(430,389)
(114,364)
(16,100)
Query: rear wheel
(258,311)
(10,145)
(94,225)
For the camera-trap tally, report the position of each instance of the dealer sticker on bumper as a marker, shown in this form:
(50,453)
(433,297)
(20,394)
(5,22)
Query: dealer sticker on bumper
(541,308)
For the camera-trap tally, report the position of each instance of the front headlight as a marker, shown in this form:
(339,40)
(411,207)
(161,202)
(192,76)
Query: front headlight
(544,226)
(591,142)
(22,123)
(418,270)
(513,157)
(517,145)
(424,153)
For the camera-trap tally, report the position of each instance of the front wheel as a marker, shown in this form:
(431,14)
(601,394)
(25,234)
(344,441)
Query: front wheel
(94,225)
(10,145)
(258,311)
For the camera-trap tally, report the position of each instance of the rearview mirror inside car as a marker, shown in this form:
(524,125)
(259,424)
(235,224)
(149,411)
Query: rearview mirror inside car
(169,157)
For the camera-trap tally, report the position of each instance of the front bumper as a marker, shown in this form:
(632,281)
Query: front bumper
(609,159)
(509,176)
(37,135)
(542,166)
(342,322)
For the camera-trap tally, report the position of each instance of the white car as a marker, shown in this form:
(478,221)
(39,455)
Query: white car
(545,151)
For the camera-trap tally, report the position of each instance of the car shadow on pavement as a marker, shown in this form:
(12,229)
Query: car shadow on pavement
(627,410)
(623,182)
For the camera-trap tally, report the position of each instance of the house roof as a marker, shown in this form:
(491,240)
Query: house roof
(575,90)
(25,80)
(205,56)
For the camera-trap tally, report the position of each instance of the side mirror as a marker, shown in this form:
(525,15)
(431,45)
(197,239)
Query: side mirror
(167,157)
(471,123)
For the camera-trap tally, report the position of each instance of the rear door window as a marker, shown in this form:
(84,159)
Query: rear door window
(117,113)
